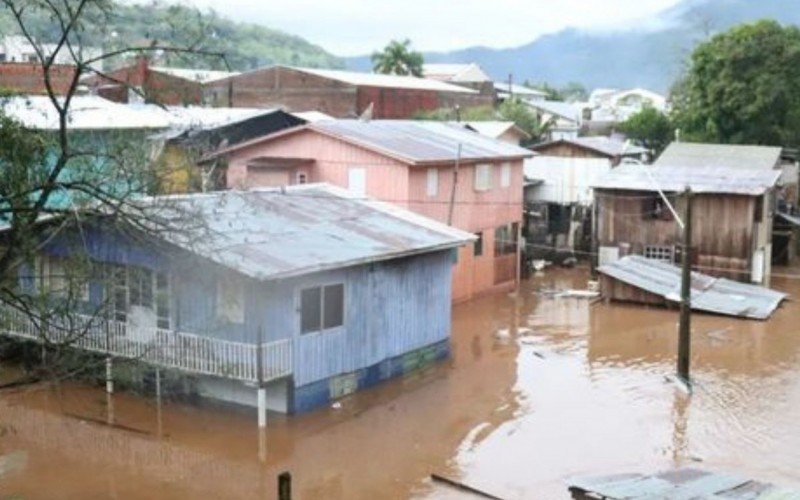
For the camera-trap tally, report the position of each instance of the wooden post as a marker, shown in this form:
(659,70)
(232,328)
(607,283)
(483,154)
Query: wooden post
(109,376)
(160,427)
(285,486)
(455,183)
(684,329)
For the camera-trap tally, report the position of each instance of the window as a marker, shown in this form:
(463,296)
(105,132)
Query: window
(505,239)
(505,175)
(477,247)
(659,252)
(137,286)
(162,301)
(433,182)
(483,177)
(230,299)
(357,181)
(758,211)
(140,287)
(321,307)
(655,208)
(302,178)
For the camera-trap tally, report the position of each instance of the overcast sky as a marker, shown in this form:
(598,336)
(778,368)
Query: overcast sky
(354,27)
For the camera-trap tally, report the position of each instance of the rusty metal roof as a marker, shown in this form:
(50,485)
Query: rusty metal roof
(696,155)
(277,233)
(709,294)
(709,179)
(420,141)
(686,483)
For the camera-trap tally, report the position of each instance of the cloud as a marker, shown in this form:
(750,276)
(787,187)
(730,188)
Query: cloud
(350,27)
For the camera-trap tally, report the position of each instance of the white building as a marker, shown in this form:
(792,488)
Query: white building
(614,105)
(17,48)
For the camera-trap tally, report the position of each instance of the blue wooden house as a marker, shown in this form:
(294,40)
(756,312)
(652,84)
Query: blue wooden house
(306,291)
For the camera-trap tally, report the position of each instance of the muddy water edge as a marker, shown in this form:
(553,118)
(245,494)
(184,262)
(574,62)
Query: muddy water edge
(538,389)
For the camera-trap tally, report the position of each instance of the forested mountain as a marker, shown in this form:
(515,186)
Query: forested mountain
(650,57)
(246,45)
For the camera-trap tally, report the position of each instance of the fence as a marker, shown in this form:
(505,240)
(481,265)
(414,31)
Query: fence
(165,348)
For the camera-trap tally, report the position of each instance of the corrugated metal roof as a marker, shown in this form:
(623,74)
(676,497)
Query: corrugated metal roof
(313,116)
(469,72)
(685,483)
(686,154)
(85,113)
(563,109)
(390,81)
(715,295)
(601,144)
(278,233)
(419,141)
(195,75)
(718,179)
(519,90)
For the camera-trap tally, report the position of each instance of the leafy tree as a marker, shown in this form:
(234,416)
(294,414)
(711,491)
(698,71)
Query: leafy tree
(743,87)
(397,58)
(553,94)
(650,128)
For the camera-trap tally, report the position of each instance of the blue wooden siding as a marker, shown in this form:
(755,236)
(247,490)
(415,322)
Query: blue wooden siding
(391,307)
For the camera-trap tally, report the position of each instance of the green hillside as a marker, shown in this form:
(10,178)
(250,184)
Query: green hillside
(245,45)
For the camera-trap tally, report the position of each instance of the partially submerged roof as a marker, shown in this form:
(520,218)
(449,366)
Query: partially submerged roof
(85,113)
(194,75)
(709,294)
(603,145)
(687,154)
(495,129)
(416,142)
(390,81)
(686,483)
(278,233)
(725,180)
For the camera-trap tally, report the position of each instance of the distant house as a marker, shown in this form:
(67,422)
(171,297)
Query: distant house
(732,223)
(342,94)
(616,106)
(436,169)
(562,118)
(333,292)
(142,82)
(27,78)
(501,130)
(469,75)
(609,148)
(506,90)
(18,49)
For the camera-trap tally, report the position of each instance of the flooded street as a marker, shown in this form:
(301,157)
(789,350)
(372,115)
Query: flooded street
(538,389)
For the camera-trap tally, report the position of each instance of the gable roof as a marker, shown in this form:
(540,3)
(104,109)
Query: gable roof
(469,72)
(416,142)
(278,233)
(495,129)
(389,81)
(700,155)
(673,178)
(600,144)
(194,75)
(563,109)
(519,90)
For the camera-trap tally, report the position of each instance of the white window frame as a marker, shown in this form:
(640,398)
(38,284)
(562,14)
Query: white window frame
(483,176)
(432,182)
(505,175)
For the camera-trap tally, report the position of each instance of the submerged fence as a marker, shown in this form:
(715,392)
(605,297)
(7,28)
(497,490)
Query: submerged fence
(156,346)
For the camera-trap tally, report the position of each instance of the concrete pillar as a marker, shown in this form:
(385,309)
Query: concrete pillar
(262,407)
(109,376)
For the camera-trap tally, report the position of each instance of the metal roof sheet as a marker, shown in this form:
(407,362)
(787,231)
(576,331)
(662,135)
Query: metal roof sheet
(195,75)
(686,483)
(278,233)
(520,90)
(715,295)
(687,154)
(391,81)
(468,72)
(730,180)
(563,109)
(494,129)
(419,141)
(602,144)
(85,113)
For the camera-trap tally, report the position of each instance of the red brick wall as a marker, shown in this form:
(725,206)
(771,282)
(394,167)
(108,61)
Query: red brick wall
(286,88)
(28,78)
(396,103)
(157,87)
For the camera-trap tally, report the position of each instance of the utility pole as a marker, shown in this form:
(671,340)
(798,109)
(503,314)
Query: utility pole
(684,328)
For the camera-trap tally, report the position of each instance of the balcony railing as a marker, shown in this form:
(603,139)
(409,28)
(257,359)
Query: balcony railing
(182,351)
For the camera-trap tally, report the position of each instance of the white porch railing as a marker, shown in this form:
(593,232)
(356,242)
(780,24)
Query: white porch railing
(166,348)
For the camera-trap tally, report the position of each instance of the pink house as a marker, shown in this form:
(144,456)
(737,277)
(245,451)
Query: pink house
(439,170)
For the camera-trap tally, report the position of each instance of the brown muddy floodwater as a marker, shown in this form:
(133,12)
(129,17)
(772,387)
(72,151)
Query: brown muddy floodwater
(538,389)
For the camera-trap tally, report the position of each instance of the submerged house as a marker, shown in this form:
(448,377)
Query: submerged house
(307,291)
(731,226)
(436,169)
